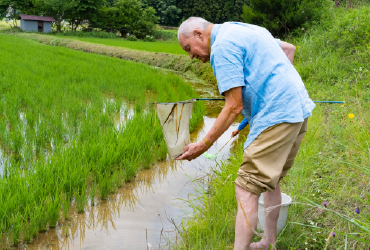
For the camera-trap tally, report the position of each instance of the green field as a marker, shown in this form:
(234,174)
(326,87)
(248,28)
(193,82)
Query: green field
(333,164)
(4,24)
(161,47)
(67,131)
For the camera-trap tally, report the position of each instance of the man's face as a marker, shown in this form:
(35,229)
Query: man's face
(196,45)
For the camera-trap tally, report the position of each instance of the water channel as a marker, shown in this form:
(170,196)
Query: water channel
(142,213)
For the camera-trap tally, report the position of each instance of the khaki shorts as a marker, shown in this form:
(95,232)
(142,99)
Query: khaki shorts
(269,157)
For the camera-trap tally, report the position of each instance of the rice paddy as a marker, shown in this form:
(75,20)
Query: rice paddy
(60,141)
(158,46)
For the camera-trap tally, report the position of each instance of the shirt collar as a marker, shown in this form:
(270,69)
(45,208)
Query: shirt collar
(214,32)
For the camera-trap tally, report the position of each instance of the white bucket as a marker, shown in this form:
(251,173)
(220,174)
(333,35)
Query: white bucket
(283,215)
(174,118)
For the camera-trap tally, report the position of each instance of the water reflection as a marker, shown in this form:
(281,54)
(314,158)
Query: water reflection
(142,212)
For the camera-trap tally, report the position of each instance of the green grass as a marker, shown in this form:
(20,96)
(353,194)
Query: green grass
(59,135)
(333,163)
(161,47)
(4,24)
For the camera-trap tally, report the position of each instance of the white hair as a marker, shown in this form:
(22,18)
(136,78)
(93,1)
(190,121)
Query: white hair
(189,25)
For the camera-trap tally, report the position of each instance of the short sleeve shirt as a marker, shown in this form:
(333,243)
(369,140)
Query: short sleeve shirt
(248,56)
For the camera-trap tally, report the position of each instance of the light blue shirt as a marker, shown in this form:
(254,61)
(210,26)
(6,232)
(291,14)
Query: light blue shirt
(248,56)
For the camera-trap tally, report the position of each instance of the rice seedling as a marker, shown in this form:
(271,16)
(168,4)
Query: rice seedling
(58,129)
(67,200)
(42,218)
(54,205)
(92,193)
(81,199)
(17,222)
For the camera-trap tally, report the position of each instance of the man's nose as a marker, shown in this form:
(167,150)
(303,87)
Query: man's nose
(191,55)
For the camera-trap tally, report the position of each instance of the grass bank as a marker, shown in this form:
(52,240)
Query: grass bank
(74,127)
(333,164)
(179,63)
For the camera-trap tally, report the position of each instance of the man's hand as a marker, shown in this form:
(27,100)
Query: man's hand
(233,107)
(193,150)
(289,50)
(235,133)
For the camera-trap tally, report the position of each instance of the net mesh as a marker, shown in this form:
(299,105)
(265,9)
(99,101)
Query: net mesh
(174,118)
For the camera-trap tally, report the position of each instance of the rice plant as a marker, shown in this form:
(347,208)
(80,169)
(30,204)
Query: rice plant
(58,129)
(81,199)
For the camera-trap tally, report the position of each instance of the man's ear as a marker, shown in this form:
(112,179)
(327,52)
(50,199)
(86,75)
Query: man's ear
(198,33)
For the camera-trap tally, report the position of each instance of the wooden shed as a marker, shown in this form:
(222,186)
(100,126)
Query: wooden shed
(36,23)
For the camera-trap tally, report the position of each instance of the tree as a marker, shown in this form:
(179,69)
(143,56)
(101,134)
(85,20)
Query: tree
(167,11)
(282,16)
(84,10)
(110,3)
(215,11)
(16,7)
(3,10)
(127,16)
(58,9)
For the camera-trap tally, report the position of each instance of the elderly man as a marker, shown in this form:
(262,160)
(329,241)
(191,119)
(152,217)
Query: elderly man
(254,72)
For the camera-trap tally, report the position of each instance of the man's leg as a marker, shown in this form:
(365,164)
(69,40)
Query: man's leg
(273,198)
(270,199)
(243,232)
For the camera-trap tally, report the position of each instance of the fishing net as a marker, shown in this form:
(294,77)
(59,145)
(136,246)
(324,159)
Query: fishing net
(174,118)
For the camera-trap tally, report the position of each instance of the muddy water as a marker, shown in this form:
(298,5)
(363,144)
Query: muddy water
(140,215)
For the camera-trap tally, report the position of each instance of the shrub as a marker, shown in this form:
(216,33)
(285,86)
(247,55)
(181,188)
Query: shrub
(131,38)
(149,39)
(164,35)
(95,34)
(282,16)
(127,16)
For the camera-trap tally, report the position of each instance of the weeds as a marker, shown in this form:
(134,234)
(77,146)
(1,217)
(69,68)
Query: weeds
(333,164)
(93,34)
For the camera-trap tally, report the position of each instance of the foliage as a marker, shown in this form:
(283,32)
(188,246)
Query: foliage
(17,7)
(3,10)
(128,16)
(282,16)
(58,9)
(167,11)
(149,39)
(131,38)
(95,34)
(84,10)
(165,35)
(215,11)
(79,117)
(75,11)
(333,163)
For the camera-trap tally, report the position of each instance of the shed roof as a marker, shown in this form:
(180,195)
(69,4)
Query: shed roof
(37,18)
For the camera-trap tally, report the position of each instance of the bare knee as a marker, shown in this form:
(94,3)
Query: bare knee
(238,191)
(244,197)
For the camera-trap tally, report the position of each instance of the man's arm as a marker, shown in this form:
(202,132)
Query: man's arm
(233,107)
(289,50)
